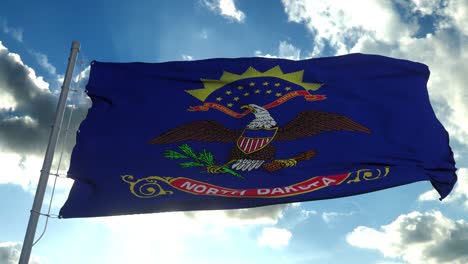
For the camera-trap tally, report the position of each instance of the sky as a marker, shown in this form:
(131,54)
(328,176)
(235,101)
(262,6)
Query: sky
(407,224)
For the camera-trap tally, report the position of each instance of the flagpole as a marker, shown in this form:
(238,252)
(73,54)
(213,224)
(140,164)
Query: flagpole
(49,156)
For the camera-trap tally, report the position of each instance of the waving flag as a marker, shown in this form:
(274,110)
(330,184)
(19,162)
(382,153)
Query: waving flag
(247,132)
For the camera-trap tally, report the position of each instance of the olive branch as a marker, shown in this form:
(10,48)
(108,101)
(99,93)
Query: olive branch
(200,159)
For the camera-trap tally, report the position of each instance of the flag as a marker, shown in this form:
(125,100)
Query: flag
(248,132)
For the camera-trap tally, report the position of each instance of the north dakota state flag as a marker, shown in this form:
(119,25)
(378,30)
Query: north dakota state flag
(247,132)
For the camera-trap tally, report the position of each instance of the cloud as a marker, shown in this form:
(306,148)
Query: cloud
(260,215)
(425,7)
(204,34)
(171,236)
(10,254)
(308,213)
(16,33)
(20,169)
(293,215)
(81,78)
(457,12)
(418,238)
(394,29)
(389,262)
(27,109)
(186,57)
(275,238)
(341,23)
(329,217)
(288,51)
(44,62)
(448,61)
(24,123)
(164,234)
(252,216)
(285,51)
(458,195)
(272,212)
(226,8)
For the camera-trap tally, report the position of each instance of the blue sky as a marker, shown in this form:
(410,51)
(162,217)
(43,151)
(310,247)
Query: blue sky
(400,225)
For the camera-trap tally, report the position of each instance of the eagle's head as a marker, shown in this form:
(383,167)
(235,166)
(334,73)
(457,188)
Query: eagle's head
(262,119)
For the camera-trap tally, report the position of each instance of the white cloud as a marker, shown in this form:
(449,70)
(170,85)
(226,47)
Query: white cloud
(426,7)
(44,62)
(16,33)
(273,237)
(286,50)
(458,195)
(10,254)
(204,34)
(226,8)
(20,169)
(308,213)
(259,53)
(18,87)
(329,217)
(448,61)
(24,170)
(389,262)
(186,57)
(431,195)
(27,109)
(238,217)
(295,215)
(83,75)
(456,12)
(7,102)
(169,235)
(377,27)
(340,23)
(418,238)
(165,233)
(15,58)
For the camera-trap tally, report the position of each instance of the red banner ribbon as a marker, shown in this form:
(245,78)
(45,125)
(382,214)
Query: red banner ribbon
(310,185)
(291,95)
(207,106)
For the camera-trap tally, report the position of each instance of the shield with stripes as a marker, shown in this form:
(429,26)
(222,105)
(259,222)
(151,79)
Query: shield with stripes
(253,140)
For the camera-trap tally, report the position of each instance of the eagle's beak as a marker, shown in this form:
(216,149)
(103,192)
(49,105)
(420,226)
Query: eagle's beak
(248,107)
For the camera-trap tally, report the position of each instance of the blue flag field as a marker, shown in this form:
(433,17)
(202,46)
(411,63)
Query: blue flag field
(248,132)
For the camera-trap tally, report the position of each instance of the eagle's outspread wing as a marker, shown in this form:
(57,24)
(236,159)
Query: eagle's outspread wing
(309,123)
(206,130)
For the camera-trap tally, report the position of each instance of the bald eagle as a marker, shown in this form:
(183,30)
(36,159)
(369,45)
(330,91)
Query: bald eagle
(253,143)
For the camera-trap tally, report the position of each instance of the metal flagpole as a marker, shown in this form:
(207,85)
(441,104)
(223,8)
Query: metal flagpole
(49,156)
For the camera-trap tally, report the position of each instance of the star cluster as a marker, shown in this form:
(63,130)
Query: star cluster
(260,90)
